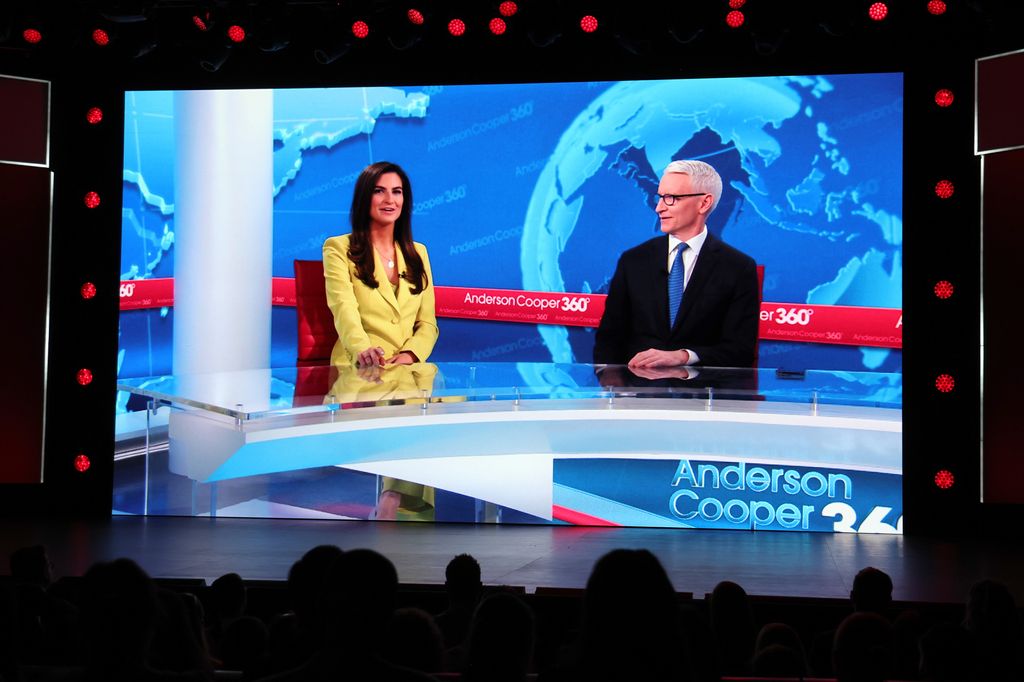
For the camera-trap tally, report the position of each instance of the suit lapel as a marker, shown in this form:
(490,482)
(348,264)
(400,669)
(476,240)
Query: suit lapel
(384,287)
(657,266)
(706,261)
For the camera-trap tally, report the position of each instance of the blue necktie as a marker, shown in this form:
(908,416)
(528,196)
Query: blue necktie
(675,285)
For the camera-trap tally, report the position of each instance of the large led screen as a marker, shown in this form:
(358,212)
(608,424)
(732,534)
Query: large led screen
(525,196)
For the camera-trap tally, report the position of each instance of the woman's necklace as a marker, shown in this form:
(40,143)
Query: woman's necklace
(390,262)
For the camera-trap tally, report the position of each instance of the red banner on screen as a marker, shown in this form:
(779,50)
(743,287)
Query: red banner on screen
(834,324)
(511,305)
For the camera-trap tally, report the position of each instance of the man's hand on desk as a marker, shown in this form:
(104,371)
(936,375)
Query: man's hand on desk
(665,372)
(653,357)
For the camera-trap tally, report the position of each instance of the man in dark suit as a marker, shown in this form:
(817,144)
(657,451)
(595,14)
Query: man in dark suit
(686,298)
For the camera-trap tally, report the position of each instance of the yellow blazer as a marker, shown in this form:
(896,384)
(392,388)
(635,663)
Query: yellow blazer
(366,317)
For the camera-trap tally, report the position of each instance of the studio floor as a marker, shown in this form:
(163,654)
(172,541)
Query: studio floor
(764,563)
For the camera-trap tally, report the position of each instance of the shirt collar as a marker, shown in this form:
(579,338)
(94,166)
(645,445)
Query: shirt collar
(693,243)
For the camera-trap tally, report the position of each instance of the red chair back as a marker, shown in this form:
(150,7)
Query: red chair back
(316,333)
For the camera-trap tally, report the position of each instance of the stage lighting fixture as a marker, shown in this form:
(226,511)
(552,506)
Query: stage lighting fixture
(878,11)
(497,26)
(331,53)
(82,463)
(201,21)
(92,200)
(236,33)
(456,27)
(944,97)
(94,115)
(32,36)
(405,30)
(87,291)
(944,479)
(83,377)
(734,18)
(944,383)
(943,289)
(127,12)
(100,37)
(507,8)
(736,4)
(214,57)
(944,189)
(588,23)
(546,21)
(360,29)
(936,7)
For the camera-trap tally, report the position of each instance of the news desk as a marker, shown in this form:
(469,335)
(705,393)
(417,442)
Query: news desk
(527,442)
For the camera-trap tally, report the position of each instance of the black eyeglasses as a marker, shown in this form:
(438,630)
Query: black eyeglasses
(671,199)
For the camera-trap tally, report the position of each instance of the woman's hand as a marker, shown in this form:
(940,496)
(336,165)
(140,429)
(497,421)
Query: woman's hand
(403,358)
(370,357)
(369,373)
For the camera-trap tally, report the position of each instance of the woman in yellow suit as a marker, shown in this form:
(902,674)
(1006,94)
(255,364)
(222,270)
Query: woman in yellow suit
(380,290)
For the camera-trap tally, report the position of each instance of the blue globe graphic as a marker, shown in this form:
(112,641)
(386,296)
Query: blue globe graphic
(786,182)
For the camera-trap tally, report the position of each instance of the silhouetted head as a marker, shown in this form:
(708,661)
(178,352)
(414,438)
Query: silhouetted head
(862,650)
(412,640)
(777,660)
(462,578)
(500,644)
(872,591)
(31,565)
(307,577)
(362,587)
(631,618)
(227,596)
(119,611)
(992,612)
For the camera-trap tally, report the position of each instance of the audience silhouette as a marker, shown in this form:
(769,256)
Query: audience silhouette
(116,624)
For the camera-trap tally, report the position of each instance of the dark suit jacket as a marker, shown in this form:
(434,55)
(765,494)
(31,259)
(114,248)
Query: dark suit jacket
(718,318)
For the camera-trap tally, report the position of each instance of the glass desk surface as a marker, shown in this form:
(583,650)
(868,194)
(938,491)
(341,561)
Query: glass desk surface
(264,393)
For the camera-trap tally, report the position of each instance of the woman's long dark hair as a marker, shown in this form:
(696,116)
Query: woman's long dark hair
(360,250)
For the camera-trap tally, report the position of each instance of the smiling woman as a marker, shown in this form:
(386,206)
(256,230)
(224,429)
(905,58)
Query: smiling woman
(381,293)
(379,286)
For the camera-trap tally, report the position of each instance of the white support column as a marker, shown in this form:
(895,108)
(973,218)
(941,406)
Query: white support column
(223,201)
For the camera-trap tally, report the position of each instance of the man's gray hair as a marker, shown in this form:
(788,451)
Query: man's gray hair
(703,176)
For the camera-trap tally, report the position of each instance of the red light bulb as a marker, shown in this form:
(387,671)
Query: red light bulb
(456,27)
(944,189)
(588,23)
(94,115)
(88,291)
(101,37)
(945,383)
(82,463)
(734,18)
(92,200)
(944,479)
(497,26)
(944,97)
(31,36)
(84,377)
(943,289)
(236,33)
(360,29)
(936,7)
(507,8)
(415,16)
(878,11)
